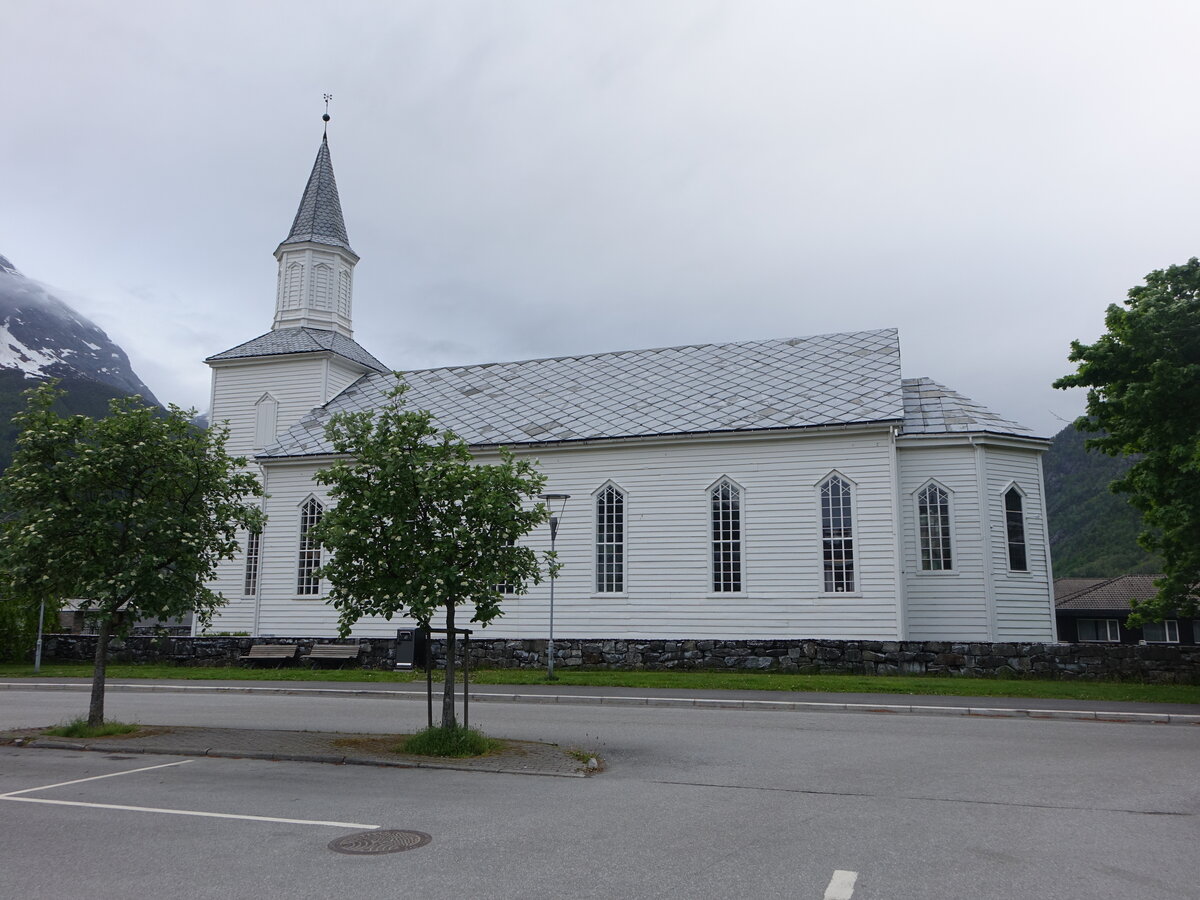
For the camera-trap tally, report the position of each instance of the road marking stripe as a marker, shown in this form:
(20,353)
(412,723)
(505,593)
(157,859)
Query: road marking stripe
(186,812)
(841,885)
(47,787)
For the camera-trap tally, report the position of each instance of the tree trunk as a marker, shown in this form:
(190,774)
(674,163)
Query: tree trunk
(448,720)
(96,709)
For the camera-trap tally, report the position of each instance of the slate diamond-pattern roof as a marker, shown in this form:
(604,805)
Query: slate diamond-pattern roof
(831,379)
(303,340)
(319,217)
(932,408)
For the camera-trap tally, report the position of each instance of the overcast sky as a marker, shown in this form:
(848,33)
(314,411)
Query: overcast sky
(526,179)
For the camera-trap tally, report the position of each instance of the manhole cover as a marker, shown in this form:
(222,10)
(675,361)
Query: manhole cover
(386,840)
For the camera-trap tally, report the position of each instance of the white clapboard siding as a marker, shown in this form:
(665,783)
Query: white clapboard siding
(1024,600)
(668,587)
(953,604)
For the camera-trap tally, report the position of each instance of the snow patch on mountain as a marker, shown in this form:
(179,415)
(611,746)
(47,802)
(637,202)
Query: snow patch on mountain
(43,337)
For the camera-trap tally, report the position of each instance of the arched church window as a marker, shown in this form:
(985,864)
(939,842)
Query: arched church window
(1014,526)
(933,527)
(725,518)
(307,582)
(837,534)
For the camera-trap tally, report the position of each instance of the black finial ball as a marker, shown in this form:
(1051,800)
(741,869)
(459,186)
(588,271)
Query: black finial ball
(325,118)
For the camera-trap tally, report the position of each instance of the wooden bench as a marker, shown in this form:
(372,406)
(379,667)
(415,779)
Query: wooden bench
(328,652)
(280,653)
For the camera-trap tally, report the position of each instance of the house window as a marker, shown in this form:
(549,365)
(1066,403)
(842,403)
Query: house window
(933,524)
(725,505)
(610,541)
(837,534)
(1014,523)
(253,554)
(307,581)
(1098,630)
(1164,632)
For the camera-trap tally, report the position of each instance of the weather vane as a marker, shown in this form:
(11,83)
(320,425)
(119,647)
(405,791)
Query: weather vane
(325,118)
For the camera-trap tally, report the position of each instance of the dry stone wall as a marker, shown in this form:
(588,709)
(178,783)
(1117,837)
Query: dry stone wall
(1151,662)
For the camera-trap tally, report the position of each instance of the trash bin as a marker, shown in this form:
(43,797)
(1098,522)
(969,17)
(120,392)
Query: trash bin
(410,649)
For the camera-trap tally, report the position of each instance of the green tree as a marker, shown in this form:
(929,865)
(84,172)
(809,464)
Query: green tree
(128,514)
(19,625)
(420,527)
(1143,380)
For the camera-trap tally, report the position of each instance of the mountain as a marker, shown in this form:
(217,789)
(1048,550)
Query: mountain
(42,337)
(1093,532)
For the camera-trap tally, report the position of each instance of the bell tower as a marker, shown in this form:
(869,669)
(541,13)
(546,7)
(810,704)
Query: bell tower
(316,264)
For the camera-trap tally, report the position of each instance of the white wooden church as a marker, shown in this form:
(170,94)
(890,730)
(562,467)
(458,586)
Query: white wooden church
(792,488)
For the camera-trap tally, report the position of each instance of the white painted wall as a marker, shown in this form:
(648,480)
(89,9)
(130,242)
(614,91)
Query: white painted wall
(668,590)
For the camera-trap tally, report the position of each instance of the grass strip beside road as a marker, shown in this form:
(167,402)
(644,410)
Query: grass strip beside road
(906,685)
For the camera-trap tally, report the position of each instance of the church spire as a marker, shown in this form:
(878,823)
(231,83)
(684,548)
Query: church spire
(316,263)
(319,216)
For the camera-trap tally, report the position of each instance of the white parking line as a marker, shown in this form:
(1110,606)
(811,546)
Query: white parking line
(186,812)
(47,787)
(841,885)
(15,798)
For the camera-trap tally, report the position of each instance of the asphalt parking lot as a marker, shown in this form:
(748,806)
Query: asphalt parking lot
(694,803)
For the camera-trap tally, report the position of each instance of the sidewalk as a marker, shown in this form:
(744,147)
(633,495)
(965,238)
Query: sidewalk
(1103,710)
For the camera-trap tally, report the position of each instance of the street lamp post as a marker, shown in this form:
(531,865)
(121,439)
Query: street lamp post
(554,520)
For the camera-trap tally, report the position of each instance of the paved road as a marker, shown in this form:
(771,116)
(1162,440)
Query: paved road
(695,803)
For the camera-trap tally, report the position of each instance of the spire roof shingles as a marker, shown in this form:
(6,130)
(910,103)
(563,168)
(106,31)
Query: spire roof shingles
(319,217)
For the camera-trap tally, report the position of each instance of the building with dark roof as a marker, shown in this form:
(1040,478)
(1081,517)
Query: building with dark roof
(1096,610)
(799,487)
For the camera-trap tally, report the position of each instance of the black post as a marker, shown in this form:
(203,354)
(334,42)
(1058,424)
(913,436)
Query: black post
(428,673)
(467,680)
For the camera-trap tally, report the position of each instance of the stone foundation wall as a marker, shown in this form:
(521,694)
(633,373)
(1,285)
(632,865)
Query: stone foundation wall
(1152,662)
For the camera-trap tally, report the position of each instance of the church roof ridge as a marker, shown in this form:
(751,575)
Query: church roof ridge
(319,216)
(644,350)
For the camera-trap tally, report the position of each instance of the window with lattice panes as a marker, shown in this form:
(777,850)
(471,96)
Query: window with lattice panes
(1014,526)
(837,534)
(933,528)
(253,556)
(307,582)
(610,540)
(725,522)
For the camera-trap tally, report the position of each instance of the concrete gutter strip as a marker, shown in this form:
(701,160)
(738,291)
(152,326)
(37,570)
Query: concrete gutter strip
(1154,718)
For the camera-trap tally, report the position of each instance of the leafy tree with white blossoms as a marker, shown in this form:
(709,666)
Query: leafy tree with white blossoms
(420,527)
(128,515)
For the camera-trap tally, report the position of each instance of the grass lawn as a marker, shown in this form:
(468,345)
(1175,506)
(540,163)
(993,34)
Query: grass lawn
(706,681)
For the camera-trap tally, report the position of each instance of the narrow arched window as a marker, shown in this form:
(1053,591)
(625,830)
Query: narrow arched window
(266,419)
(322,286)
(307,581)
(253,556)
(293,286)
(933,527)
(344,293)
(610,540)
(725,519)
(1014,524)
(837,534)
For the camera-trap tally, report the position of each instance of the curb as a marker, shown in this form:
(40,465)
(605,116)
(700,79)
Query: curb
(1110,716)
(329,758)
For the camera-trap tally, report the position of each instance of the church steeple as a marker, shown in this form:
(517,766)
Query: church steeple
(316,263)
